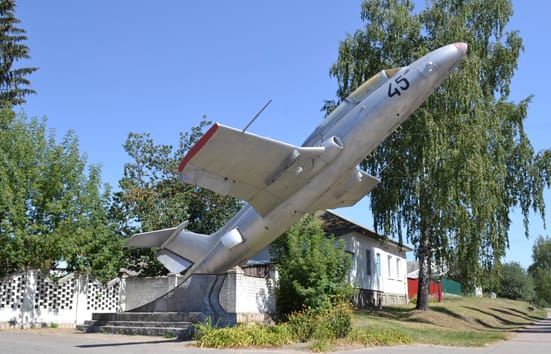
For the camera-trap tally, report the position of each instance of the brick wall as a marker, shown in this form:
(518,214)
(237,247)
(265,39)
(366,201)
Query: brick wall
(252,299)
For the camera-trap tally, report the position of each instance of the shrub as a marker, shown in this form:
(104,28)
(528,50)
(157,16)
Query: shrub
(329,324)
(241,336)
(515,283)
(323,327)
(313,268)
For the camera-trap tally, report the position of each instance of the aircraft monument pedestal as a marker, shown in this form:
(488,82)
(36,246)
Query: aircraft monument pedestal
(174,313)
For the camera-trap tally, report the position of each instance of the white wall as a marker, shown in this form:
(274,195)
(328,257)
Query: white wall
(251,298)
(31,299)
(392,280)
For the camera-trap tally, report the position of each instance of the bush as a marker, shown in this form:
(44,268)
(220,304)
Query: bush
(325,329)
(240,336)
(372,337)
(515,284)
(313,268)
(327,325)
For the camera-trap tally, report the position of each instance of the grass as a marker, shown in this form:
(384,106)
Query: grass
(460,322)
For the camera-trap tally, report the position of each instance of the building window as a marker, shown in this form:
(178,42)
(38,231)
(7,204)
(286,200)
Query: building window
(397,268)
(378,264)
(352,273)
(389,266)
(368,262)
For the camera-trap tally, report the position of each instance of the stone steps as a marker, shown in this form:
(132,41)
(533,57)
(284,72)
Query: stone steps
(174,324)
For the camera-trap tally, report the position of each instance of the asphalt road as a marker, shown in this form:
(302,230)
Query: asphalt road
(535,340)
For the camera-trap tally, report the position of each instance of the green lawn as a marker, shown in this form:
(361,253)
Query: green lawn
(458,322)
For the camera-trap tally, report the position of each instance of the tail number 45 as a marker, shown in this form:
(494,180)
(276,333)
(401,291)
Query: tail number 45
(397,86)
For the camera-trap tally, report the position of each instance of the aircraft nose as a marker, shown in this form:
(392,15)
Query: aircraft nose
(462,47)
(446,58)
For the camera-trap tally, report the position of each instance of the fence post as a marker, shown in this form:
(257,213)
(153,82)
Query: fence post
(81,290)
(27,299)
(122,291)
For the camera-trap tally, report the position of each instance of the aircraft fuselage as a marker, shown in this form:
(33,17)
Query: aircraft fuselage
(360,124)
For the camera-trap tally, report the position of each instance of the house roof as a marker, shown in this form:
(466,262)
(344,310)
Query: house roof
(333,223)
(435,270)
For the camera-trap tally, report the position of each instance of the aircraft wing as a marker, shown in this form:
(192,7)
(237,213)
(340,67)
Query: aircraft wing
(262,171)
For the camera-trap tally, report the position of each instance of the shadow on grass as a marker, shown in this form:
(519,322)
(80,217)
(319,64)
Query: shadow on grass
(491,328)
(396,314)
(517,314)
(502,320)
(448,312)
(522,314)
(124,344)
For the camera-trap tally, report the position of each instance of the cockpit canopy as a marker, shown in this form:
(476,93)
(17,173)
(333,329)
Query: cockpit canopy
(372,84)
(320,134)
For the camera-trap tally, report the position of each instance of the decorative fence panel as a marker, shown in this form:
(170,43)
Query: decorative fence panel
(32,298)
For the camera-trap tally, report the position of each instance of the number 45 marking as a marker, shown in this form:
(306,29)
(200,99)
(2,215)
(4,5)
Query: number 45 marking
(400,84)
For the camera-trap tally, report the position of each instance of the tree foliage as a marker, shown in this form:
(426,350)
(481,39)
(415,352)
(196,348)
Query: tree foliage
(313,268)
(14,85)
(540,270)
(461,164)
(152,197)
(515,283)
(51,209)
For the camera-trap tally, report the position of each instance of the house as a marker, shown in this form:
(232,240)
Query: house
(379,265)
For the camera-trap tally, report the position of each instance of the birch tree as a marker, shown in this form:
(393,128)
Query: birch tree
(453,174)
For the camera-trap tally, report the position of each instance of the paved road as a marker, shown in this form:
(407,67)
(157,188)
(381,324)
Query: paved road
(535,340)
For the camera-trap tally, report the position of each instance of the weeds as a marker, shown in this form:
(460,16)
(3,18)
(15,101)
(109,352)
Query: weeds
(325,330)
(329,324)
(242,336)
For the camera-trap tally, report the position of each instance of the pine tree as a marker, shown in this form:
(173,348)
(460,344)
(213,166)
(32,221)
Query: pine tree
(14,85)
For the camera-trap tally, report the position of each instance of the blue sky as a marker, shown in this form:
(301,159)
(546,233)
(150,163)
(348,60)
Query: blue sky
(108,68)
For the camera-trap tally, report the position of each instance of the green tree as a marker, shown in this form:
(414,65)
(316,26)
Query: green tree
(313,268)
(14,85)
(540,270)
(50,209)
(152,197)
(515,283)
(458,167)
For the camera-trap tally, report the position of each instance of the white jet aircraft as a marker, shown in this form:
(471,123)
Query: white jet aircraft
(282,182)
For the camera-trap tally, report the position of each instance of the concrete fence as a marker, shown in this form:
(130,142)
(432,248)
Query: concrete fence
(34,299)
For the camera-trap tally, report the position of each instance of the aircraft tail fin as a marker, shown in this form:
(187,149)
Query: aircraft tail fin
(152,239)
(179,248)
